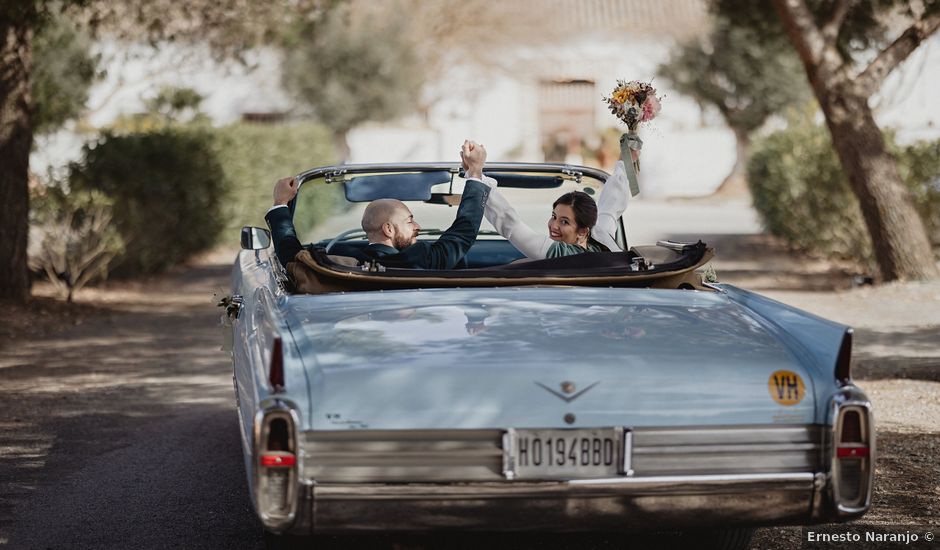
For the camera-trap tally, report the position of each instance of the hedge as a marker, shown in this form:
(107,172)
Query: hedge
(254,156)
(178,190)
(803,197)
(167,187)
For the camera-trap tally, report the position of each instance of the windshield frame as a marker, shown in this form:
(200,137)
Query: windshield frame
(338,174)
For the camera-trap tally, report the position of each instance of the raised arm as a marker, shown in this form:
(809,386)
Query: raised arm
(286,243)
(611,204)
(507,222)
(447,251)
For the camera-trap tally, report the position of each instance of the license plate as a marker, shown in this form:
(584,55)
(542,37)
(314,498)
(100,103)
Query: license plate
(566,454)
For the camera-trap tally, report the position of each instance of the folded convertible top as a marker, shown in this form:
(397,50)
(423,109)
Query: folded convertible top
(315,272)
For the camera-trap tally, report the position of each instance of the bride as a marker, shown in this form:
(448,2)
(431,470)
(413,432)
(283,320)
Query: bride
(577,224)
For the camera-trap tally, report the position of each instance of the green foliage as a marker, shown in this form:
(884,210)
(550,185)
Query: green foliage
(254,156)
(63,71)
(167,186)
(803,196)
(865,26)
(354,68)
(177,188)
(174,104)
(747,79)
(801,193)
(77,240)
(920,169)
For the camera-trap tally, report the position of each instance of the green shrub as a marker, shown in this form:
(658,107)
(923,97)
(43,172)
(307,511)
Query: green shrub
(167,186)
(920,169)
(176,188)
(803,197)
(254,156)
(75,241)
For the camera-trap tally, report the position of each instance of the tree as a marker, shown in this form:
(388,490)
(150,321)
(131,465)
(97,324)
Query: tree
(347,76)
(18,23)
(745,78)
(63,71)
(227,26)
(173,104)
(847,53)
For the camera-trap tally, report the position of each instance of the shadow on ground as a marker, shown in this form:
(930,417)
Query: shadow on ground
(119,426)
(761,262)
(908,354)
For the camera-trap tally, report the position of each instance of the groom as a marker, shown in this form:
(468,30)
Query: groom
(390,226)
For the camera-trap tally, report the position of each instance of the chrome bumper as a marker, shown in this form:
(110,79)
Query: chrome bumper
(597,504)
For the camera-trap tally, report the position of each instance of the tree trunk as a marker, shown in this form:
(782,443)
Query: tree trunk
(902,248)
(735,184)
(16,141)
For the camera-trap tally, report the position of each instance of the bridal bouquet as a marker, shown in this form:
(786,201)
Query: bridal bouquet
(633,102)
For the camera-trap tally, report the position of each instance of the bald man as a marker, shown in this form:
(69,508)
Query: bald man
(391,228)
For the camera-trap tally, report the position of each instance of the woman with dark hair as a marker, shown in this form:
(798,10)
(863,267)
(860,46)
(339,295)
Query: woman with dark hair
(577,223)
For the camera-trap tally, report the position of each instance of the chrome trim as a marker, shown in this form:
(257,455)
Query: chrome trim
(369,456)
(335,172)
(715,286)
(277,407)
(404,455)
(851,397)
(509,465)
(583,487)
(563,397)
(627,452)
(608,504)
(727,449)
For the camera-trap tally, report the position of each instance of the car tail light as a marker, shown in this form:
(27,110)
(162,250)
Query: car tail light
(844,360)
(276,467)
(853,457)
(276,372)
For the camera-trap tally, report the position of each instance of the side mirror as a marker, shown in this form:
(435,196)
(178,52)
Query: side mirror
(255,238)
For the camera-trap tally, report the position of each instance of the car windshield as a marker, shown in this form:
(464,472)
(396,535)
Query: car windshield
(314,223)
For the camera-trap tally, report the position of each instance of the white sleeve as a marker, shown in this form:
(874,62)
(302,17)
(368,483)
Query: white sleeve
(610,206)
(487,181)
(507,222)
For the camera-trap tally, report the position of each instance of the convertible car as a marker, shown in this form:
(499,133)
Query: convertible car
(609,391)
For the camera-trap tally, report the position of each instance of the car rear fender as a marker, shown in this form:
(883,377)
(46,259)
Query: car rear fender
(823,346)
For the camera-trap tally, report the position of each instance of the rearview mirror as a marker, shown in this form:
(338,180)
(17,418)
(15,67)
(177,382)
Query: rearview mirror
(255,238)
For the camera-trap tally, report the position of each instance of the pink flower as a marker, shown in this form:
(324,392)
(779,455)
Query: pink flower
(651,108)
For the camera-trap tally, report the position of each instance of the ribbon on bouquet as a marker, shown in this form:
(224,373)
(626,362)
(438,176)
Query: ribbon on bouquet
(630,142)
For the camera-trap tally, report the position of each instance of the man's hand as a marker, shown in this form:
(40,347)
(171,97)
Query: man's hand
(284,191)
(472,158)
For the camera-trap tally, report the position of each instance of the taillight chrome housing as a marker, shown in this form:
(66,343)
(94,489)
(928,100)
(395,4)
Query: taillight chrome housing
(852,452)
(276,464)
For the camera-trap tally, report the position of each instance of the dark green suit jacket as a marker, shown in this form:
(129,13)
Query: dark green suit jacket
(444,253)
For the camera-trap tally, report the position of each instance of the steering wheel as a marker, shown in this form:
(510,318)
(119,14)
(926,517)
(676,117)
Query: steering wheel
(344,236)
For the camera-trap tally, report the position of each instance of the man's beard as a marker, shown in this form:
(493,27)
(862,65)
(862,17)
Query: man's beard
(401,241)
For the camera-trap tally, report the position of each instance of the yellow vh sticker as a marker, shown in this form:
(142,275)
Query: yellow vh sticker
(786,387)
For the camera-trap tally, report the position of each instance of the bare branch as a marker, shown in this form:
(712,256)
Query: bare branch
(802,30)
(830,31)
(895,54)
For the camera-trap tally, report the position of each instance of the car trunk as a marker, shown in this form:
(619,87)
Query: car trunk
(540,357)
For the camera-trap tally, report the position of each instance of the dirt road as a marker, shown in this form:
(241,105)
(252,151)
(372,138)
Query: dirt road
(118,426)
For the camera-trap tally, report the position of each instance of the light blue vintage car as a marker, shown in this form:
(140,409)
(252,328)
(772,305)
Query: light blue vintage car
(616,391)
